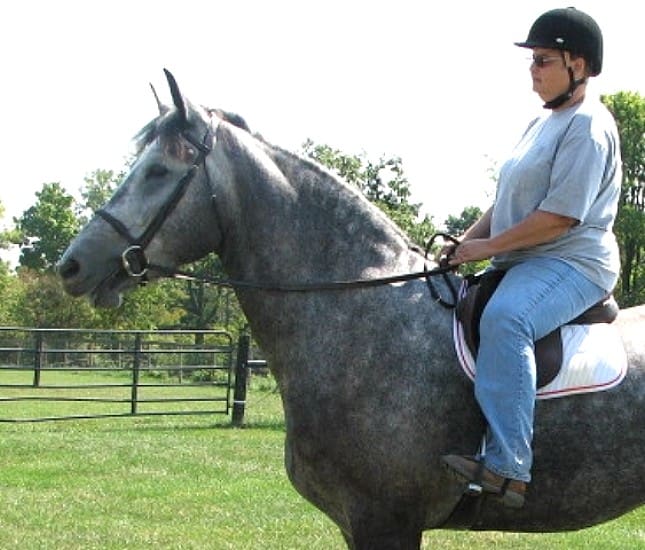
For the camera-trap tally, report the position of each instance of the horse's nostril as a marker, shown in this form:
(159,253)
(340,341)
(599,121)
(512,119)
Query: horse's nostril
(68,268)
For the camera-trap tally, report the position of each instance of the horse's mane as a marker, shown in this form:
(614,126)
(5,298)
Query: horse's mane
(168,126)
(320,177)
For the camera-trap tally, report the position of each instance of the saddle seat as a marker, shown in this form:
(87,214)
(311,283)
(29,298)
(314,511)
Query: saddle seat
(548,350)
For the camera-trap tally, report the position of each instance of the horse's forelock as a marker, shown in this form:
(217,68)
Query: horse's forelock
(146,135)
(168,128)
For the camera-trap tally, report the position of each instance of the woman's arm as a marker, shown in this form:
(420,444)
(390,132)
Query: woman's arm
(538,228)
(481,228)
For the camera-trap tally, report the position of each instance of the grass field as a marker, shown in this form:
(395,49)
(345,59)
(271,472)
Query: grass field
(192,483)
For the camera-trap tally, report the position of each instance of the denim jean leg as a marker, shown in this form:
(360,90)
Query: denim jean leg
(533,299)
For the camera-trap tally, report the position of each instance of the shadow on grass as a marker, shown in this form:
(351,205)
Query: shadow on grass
(276,425)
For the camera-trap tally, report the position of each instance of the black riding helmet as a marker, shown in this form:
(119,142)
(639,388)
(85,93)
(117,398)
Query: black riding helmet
(568,29)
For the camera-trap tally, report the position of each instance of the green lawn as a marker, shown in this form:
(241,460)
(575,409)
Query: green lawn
(191,483)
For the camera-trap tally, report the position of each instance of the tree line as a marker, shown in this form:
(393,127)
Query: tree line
(32,295)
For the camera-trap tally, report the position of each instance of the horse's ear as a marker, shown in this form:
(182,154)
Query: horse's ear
(163,109)
(177,98)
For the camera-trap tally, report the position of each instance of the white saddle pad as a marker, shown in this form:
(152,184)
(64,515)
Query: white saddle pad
(594,359)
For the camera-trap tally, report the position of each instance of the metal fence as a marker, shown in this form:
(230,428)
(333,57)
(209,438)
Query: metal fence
(77,373)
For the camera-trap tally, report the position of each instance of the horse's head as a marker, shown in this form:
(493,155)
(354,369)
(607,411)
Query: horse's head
(166,196)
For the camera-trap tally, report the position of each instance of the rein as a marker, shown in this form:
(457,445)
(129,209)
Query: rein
(136,265)
(324,286)
(444,269)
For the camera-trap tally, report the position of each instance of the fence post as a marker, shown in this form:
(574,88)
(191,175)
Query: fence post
(136,365)
(239,393)
(38,359)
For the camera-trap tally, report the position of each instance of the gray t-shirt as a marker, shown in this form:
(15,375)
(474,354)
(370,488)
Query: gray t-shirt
(568,163)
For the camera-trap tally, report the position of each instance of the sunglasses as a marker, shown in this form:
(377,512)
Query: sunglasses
(543,60)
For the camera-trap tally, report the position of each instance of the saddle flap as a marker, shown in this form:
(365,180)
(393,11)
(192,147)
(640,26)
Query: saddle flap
(548,357)
(470,307)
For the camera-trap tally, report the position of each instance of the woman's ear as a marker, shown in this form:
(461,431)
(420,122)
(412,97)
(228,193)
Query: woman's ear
(580,67)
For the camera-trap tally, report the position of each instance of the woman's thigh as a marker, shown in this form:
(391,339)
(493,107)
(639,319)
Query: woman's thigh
(539,295)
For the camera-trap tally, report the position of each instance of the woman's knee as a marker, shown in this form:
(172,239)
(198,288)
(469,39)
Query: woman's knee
(500,319)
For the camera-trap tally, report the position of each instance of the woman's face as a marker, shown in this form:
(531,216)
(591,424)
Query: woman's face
(549,72)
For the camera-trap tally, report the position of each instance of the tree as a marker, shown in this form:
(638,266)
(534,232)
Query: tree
(149,307)
(628,109)
(206,306)
(8,293)
(457,225)
(383,182)
(7,280)
(41,302)
(97,189)
(5,235)
(8,237)
(47,228)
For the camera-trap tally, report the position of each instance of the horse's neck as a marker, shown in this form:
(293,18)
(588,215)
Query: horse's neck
(295,222)
(290,222)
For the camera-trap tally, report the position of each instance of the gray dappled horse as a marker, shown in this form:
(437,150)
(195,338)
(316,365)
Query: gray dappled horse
(372,391)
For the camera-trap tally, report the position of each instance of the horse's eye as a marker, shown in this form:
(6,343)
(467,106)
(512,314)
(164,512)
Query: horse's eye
(156,171)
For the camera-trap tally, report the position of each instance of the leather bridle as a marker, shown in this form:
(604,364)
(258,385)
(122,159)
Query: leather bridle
(133,259)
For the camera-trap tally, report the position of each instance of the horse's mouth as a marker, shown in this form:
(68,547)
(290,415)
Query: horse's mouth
(105,299)
(109,292)
(105,292)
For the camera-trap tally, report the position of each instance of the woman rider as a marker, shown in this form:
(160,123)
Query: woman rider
(550,229)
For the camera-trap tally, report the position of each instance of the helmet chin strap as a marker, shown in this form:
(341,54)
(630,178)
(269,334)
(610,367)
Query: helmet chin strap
(566,96)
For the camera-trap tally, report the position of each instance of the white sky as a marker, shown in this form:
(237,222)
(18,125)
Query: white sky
(439,84)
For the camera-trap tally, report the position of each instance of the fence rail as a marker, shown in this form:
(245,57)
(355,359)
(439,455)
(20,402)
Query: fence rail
(123,373)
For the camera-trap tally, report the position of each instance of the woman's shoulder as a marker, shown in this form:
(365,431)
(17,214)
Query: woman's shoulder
(597,119)
(593,110)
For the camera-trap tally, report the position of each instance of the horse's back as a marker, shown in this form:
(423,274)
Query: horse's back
(632,320)
(631,324)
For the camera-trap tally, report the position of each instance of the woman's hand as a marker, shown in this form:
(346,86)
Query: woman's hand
(471,251)
(445,254)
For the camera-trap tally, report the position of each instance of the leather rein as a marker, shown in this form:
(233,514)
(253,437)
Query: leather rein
(135,264)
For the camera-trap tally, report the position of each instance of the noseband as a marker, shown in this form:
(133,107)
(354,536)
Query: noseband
(133,258)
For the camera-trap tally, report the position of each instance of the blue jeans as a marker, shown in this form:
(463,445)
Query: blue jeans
(534,298)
